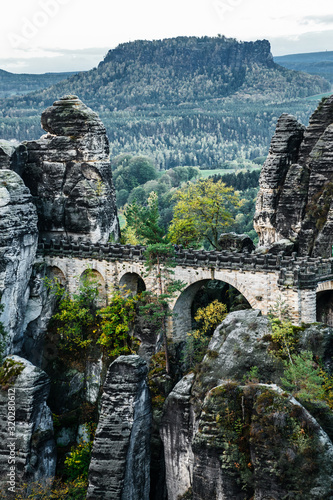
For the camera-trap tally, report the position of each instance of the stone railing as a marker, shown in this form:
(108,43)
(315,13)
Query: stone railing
(300,272)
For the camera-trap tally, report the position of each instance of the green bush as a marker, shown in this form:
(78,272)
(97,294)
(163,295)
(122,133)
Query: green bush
(207,319)
(78,460)
(303,378)
(55,490)
(116,325)
(75,319)
(9,370)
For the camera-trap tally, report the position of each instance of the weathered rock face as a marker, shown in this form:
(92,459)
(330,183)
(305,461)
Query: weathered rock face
(282,154)
(236,242)
(177,434)
(296,185)
(31,440)
(241,342)
(122,441)
(269,461)
(7,150)
(230,439)
(69,174)
(18,244)
(39,309)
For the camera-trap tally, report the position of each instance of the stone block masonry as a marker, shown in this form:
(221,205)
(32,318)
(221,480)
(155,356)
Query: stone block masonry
(262,279)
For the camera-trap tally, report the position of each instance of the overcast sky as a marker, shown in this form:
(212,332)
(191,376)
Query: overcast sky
(38,36)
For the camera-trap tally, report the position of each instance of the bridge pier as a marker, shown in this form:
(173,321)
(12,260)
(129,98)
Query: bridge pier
(307,306)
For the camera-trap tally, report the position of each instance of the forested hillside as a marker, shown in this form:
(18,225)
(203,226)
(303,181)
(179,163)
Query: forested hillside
(315,63)
(183,101)
(18,84)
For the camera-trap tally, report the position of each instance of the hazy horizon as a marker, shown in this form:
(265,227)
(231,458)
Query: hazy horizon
(67,35)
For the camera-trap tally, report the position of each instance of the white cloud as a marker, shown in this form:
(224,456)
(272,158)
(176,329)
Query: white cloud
(29,30)
(318,41)
(316,20)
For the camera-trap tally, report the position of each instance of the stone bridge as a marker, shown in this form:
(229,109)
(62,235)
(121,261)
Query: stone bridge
(262,279)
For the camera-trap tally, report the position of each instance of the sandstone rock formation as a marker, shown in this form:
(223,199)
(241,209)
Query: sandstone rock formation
(18,244)
(30,441)
(120,461)
(227,438)
(282,154)
(7,150)
(296,185)
(69,174)
(179,416)
(234,242)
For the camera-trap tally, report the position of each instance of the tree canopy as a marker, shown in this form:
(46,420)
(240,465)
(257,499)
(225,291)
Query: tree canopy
(130,172)
(144,221)
(203,210)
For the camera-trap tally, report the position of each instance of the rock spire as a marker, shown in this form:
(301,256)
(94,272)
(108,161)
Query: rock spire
(69,175)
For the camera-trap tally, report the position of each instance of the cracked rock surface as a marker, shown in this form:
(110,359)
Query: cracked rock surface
(69,174)
(294,202)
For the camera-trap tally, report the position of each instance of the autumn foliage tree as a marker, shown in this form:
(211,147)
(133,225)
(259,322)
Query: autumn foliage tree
(203,211)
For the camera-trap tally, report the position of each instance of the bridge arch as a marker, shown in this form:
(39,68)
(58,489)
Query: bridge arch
(182,317)
(132,282)
(324,286)
(236,282)
(94,276)
(54,272)
(324,302)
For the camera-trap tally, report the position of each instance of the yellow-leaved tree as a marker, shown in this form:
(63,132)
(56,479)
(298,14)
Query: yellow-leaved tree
(203,211)
(207,319)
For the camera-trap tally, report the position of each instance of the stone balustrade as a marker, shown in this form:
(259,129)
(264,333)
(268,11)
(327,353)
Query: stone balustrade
(300,272)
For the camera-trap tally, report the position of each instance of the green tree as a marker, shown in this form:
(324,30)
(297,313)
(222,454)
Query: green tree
(76,316)
(138,196)
(131,172)
(155,308)
(207,319)
(203,210)
(144,220)
(304,378)
(143,169)
(117,320)
(122,197)
(284,335)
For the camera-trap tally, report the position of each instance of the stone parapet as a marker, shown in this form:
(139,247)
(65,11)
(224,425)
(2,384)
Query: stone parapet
(299,272)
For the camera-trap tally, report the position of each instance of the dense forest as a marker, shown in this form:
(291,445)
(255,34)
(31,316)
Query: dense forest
(315,63)
(136,178)
(185,101)
(17,84)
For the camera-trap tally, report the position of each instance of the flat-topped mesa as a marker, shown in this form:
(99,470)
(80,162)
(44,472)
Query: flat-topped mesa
(294,202)
(69,174)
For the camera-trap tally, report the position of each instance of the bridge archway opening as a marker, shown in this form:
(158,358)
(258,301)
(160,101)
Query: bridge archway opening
(132,283)
(94,277)
(55,273)
(325,307)
(199,295)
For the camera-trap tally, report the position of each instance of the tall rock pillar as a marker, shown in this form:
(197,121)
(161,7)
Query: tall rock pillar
(69,174)
(120,461)
(18,245)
